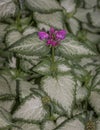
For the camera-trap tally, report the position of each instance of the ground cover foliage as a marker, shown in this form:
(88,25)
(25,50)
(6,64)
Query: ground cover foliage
(45,89)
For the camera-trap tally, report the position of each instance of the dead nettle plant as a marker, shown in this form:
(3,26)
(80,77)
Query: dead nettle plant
(49,65)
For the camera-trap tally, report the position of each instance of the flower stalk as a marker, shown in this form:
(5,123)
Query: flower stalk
(53,54)
(52,38)
(53,63)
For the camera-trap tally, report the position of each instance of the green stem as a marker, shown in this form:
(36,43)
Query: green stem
(18,21)
(53,54)
(53,64)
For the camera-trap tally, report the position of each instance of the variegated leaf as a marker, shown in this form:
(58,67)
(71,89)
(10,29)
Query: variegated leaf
(69,5)
(32,59)
(43,26)
(60,120)
(81,92)
(6,104)
(25,89)
(61,90)
(85,61)
(12,62)
(2,31)
(29,30)
(90,3)
(10,82)
(31,109)
(7,8)
(63,67)
(4,119)
(94,18)
(43,5)
(12,37)
(74,25)
(79,72)
(90,64)
(90,28)
(45,67)
(29,46)
(97,87)
(81,14)
(4,87)
(95,101)
(53,19)
(96,81)
(25,126)
(93,37)
(25,65)
(49,125)
(74,124)
(71,47)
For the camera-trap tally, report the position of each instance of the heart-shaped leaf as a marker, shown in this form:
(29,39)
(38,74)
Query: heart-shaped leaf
(61,90)
(29,46)
(30,110)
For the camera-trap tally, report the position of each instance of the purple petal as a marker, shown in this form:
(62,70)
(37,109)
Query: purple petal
(52,42)
(52,30)
(61,34)
(49,42)
(43,35)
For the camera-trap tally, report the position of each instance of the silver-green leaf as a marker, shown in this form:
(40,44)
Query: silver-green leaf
(74,25)
(29,46)
(3,28)
(12,36)
(74,124)
(95,101)
(69,5)
(31,109)
(90,3)
(25,126)
(81,14)
(7,8)
(5,119)
(45,67)
(95,18)
(43,5)
(53,19)
(60,90)
(71,47)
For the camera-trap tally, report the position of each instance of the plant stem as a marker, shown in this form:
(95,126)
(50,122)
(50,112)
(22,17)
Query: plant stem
(18,22)
(53,64)
(53,54)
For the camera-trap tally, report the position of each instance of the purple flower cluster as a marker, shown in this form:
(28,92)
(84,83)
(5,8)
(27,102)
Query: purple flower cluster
(53,37)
